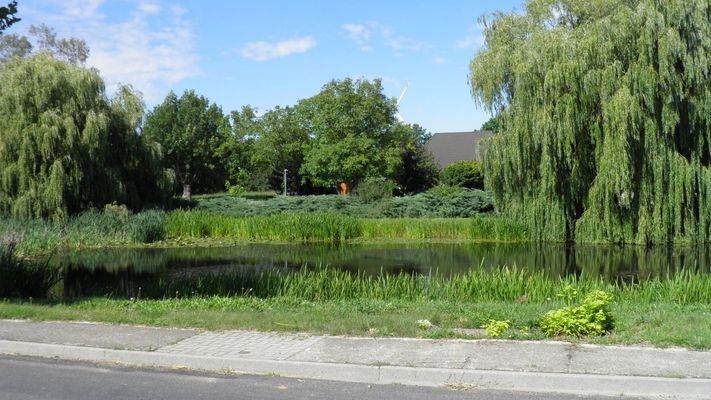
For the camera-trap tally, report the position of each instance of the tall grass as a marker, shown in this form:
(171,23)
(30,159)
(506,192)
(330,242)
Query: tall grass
(93,228)
(330,228)
(23,277)
(337,228)
(476,285)
(478,229)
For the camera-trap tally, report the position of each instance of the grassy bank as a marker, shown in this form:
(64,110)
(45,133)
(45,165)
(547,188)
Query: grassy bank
(116,228)
(662,312)
(336,228)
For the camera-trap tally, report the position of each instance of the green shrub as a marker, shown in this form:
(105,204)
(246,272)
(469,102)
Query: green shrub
(592,317)
(148,227)
(467,174)
(495,328)
(374,189)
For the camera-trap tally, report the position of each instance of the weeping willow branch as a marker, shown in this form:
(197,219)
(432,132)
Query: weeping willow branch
(605,108)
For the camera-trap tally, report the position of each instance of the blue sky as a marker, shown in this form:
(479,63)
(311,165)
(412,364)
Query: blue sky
(268,53)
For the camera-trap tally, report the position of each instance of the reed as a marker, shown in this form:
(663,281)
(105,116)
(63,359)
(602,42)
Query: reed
(475,286)
(329,228)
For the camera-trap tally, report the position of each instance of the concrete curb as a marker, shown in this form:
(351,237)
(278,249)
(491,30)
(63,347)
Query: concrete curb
(606,385)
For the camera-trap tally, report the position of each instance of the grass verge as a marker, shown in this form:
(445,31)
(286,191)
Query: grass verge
(673,311)
(660,324)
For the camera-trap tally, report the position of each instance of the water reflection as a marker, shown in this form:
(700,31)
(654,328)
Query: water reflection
(121,272)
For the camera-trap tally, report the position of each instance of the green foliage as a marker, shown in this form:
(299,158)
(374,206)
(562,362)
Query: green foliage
(495,328)
(373,189)
(493,124)
(440,202)
(22,277)
(437,203)
(65,147)
(148,227)
(191,132)
(466,174)
(476,285)
(282,143)
(418,170)
(607,125)
(352,124)
(8,15)
(330,228)
(592,317)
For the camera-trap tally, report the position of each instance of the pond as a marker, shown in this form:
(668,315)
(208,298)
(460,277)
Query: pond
(122,271)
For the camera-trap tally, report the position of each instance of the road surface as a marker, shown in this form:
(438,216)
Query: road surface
(40,379)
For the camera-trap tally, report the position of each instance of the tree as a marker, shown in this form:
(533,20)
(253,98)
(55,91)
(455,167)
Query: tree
(74,51)
(7,16)
(492,124)
(237,150)
(606,102)
(190,131)
(418,171)
(352,125)
(66,147)
(282,143)
(466,174)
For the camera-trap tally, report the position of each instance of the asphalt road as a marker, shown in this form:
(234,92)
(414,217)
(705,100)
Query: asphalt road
(39,379)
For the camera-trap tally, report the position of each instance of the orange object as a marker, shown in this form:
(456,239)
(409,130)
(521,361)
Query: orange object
(343,188)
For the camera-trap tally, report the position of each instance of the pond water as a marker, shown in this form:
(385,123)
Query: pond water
(121,271)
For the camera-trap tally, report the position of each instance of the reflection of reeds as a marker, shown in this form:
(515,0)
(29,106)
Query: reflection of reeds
(476,285)
(23,277)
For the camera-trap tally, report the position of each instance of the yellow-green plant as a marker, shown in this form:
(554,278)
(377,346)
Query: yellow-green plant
(592,317)
(495,328)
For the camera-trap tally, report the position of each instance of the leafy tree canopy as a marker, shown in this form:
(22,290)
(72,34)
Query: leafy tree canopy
(418,170)
(190,131)
(74,51)
(7,15)
(66,147)
(607,106)
(492,124)
(352,125)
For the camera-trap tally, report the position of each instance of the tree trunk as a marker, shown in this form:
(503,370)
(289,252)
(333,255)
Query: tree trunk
(187,192)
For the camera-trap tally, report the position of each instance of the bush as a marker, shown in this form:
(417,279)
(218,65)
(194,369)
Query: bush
(495,328)
(466,174)
(374,189)
(148,227)
(593,317)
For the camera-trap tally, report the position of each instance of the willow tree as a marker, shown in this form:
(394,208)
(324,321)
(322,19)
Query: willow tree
(606,114)
(66,147)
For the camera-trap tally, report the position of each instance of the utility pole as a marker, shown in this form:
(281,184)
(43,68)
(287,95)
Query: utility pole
(285,171)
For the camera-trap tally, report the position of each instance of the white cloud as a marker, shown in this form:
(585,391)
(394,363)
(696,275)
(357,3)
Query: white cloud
(148,8)
(357,33)
(79,8)
(403,43)
(473,40)
(440,60)
(365,34)
(263,51)
(152,58)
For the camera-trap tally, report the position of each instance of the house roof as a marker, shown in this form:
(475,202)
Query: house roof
(450,147)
